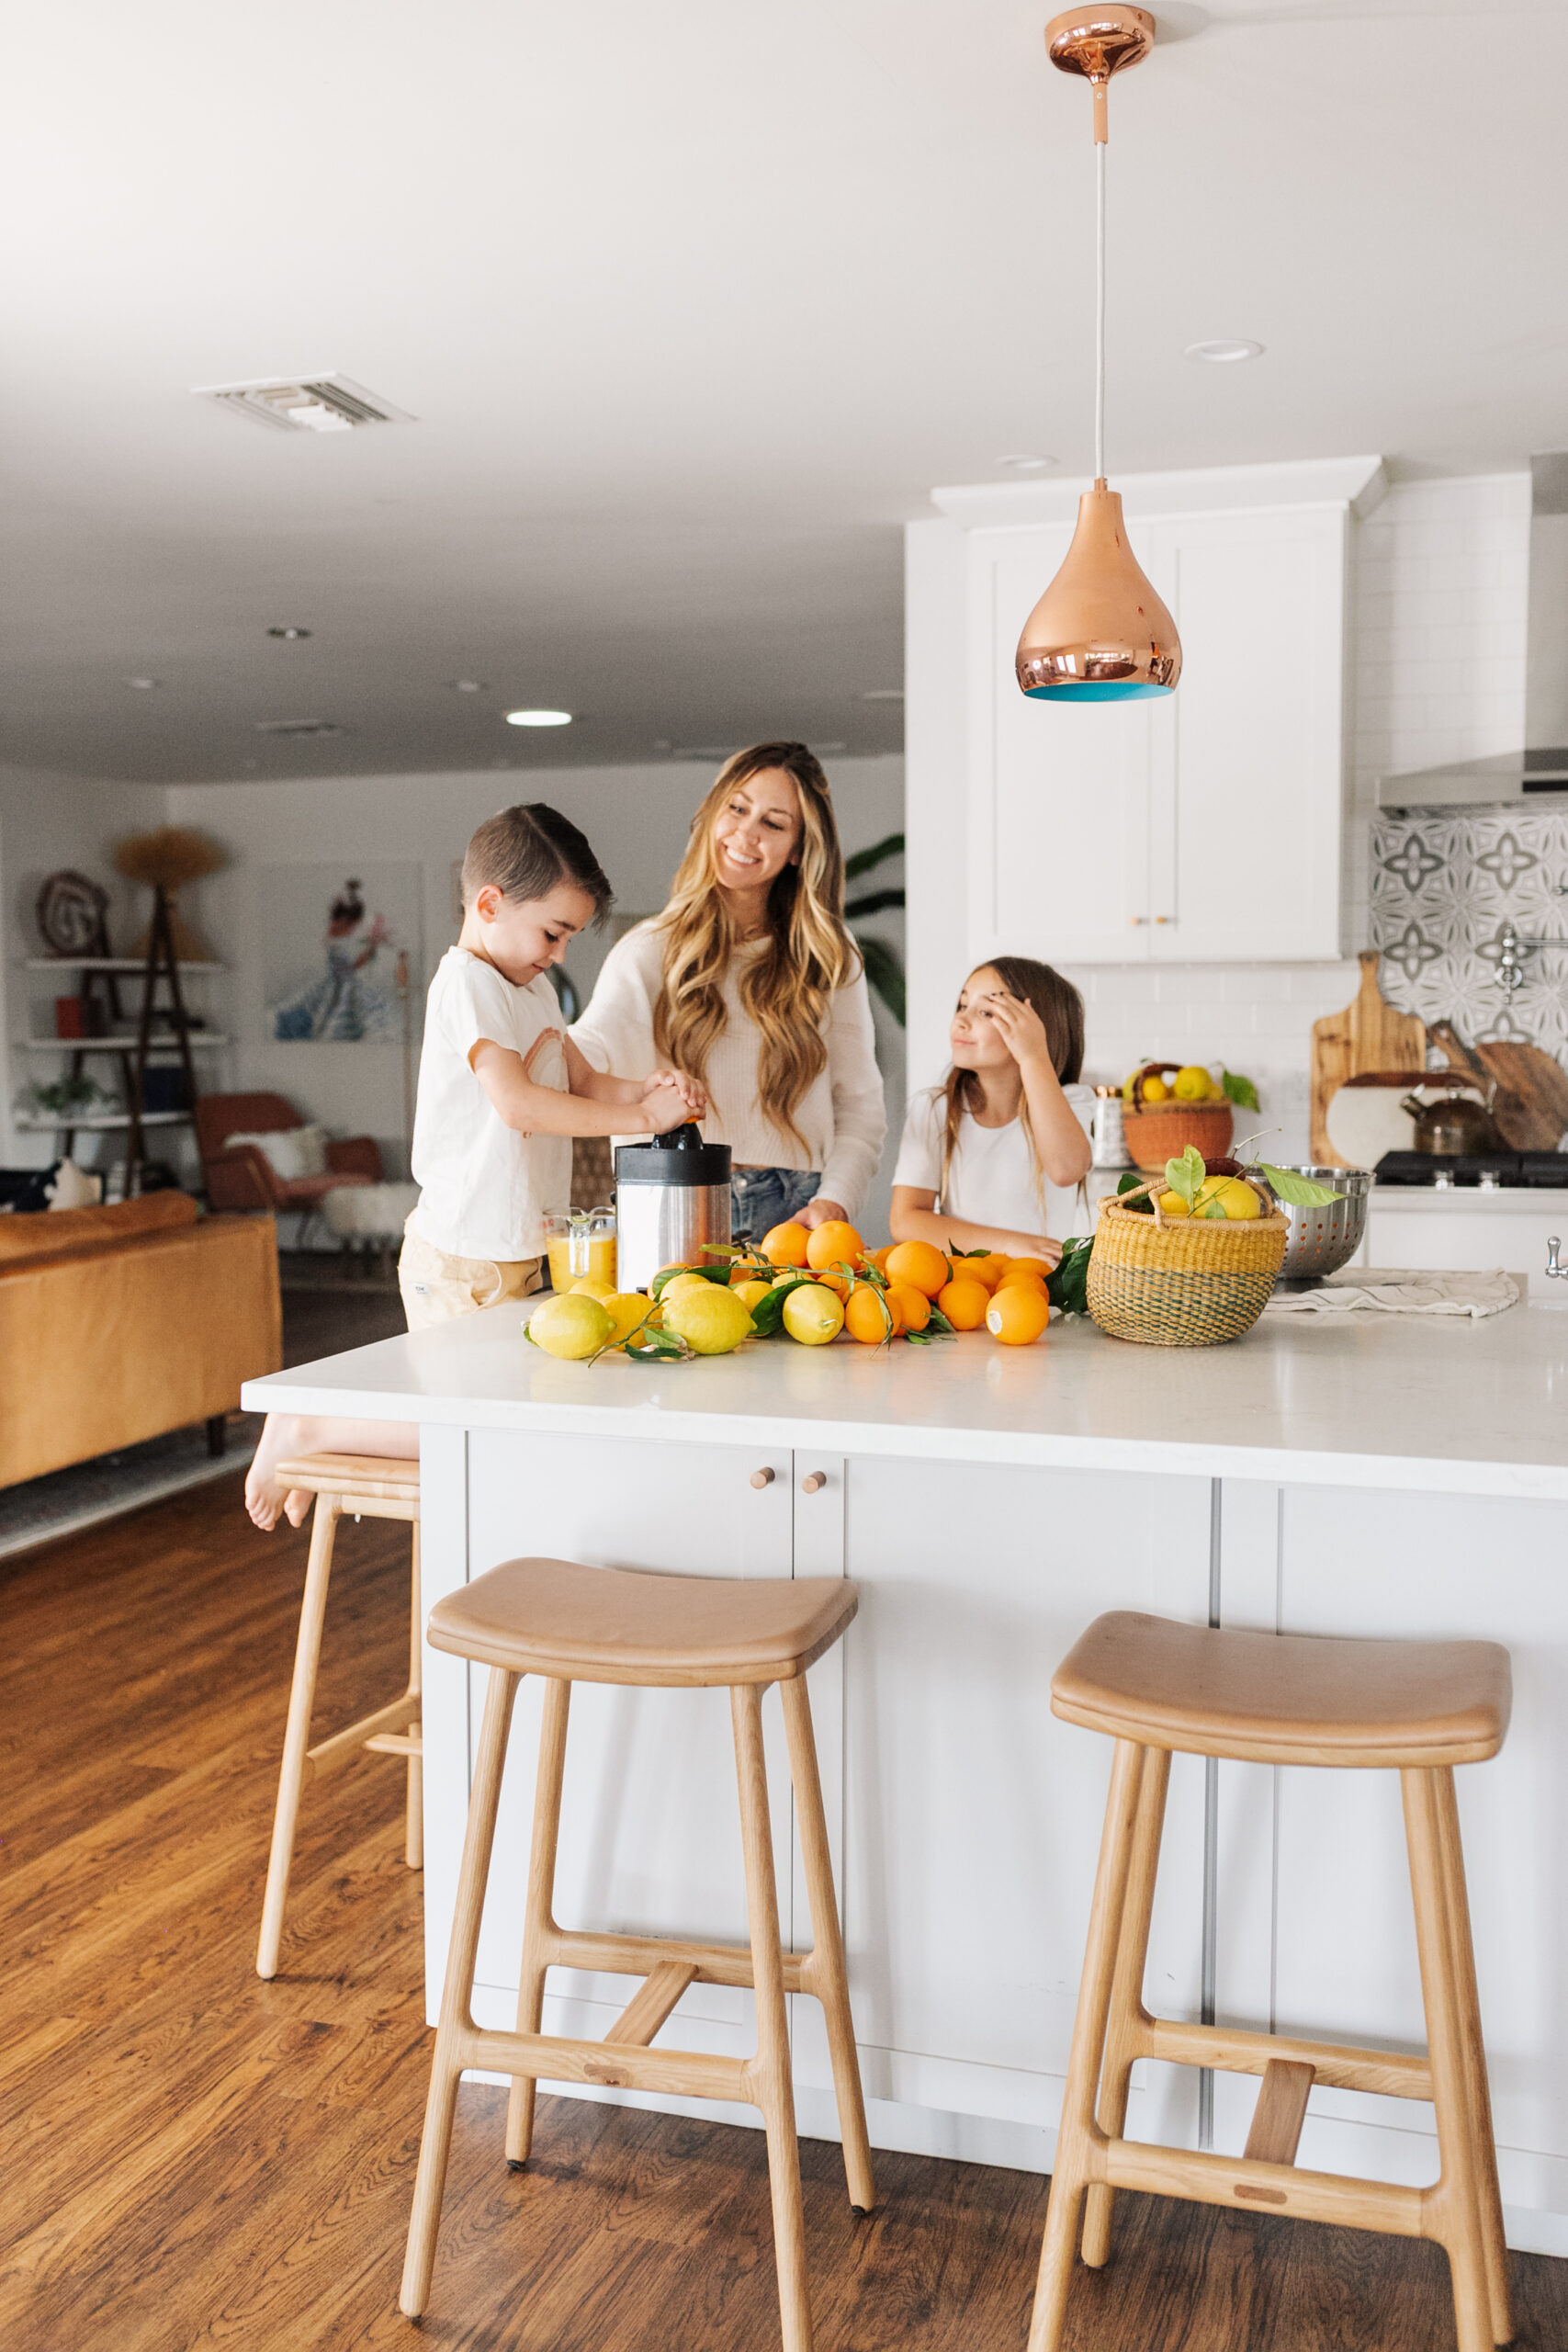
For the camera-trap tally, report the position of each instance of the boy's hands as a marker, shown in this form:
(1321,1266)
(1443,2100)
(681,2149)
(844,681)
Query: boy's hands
(694,1095)
(663,1104)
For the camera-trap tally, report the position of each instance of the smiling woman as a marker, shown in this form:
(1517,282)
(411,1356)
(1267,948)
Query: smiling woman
(750,981)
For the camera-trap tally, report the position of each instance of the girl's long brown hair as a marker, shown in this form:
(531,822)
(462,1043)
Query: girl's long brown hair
(1060,1008)
(786,988)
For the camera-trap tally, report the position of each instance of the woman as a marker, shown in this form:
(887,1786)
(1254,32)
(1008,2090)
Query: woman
(749,982)
(1002,1143)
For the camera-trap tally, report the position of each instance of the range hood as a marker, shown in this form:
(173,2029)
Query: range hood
(1542,766)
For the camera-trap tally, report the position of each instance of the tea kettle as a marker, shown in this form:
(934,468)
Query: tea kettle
(1456,1124)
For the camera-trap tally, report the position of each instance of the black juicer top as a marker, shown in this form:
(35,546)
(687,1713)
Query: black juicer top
(680,1158)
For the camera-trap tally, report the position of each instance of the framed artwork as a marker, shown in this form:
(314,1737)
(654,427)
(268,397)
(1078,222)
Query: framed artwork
(342,960)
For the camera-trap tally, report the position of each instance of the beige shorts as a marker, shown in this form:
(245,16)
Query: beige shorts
(437,1288)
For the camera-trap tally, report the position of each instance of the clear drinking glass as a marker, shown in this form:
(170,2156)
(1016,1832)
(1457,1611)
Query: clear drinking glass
(580,1242)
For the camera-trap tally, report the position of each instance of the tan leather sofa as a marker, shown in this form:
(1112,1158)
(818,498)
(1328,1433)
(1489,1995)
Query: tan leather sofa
(117,1324)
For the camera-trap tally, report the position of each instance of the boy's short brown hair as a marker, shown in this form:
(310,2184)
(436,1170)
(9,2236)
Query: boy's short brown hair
(526,851)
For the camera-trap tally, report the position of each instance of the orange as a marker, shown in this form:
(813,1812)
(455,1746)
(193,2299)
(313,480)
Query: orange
(832,1241)
(787,1244)
(1020,1282)
(964,1301)
(1023,1266)
(921,1265)
(866,1318)
(911,1307)
(879,1258)
(987,1270)
(840,1284)
(1018,1313)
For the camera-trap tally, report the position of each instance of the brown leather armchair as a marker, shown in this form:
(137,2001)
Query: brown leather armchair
(241,1177)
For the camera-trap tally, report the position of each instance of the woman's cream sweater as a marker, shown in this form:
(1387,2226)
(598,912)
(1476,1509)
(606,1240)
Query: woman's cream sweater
(841,1116)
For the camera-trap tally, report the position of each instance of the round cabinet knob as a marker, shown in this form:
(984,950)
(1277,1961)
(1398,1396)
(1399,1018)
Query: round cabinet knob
(814,1482)
(762,1479)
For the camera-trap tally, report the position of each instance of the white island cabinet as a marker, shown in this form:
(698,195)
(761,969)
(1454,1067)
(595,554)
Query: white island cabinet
(1393,1477)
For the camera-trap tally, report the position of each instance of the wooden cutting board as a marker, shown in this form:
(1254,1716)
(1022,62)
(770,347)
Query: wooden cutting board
(1531,1103)
(1368,1034)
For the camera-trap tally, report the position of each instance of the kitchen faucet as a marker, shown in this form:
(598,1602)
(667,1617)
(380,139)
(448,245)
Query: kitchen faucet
(1508,971)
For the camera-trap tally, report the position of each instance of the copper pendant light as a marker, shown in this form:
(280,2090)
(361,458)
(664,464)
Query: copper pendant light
(1100,633)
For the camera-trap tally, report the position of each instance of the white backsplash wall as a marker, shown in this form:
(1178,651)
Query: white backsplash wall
(1437,636)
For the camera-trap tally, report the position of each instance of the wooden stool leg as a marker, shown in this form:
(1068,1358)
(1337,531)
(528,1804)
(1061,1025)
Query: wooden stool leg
(457,1994)
(828,1943)
(1459,2211)
(1075,2164)
(413,1841)
(538,1918)
(1127,1992)
(296,1737)
(771,2063)
(1461,1959)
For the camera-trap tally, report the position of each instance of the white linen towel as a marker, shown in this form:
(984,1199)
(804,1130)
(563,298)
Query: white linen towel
(1416,1292)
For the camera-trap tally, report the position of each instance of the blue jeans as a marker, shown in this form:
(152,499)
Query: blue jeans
(761,1198)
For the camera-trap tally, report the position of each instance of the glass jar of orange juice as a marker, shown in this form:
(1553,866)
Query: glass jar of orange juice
(579,1242)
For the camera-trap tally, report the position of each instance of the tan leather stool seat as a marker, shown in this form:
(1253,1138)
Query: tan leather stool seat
(1286,1697)
(583,1624)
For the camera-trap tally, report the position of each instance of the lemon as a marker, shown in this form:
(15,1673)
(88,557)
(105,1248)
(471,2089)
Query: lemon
(812,1315)
(678,1282)
(592,1287)
(1192,1084)
(1155,1090)
(1172,1204)
(571,1327)
(752,1293)
(709,1316)
(1237,1199)
(626,1309)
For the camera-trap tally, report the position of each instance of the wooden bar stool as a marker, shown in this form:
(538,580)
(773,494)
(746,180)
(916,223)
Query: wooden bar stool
(367,1485)
(1417,1708)
(570,1624)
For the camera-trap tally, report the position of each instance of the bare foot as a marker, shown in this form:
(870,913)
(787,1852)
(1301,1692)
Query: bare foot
(265,1499)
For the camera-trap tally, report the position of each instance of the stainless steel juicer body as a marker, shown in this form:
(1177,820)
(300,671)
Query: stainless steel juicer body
(671,1197)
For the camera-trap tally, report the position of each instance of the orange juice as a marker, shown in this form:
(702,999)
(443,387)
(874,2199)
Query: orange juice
(572,1255)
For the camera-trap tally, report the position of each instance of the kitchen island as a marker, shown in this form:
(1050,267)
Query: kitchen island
(1371,1475)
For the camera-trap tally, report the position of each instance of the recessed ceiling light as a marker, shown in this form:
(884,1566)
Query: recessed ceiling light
(1023,462)
(884,694)
(292,635)
(144,685)
(297,726)
(325,403)
(538,719)
(1226,348)
(468,686)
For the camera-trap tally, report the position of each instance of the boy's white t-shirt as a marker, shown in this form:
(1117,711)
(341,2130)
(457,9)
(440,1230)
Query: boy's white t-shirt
(991,1179)
(484,1189)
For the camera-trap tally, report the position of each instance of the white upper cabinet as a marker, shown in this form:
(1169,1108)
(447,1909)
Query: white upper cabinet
(1204,826)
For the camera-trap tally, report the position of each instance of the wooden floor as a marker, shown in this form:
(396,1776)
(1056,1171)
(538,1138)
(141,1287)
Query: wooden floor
(190,2157)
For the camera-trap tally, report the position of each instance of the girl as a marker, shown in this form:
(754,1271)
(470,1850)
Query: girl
(749,981)
(1002,1142)
(501,1094)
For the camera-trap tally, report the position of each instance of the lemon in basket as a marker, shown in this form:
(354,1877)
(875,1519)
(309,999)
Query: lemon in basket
(1192,1084)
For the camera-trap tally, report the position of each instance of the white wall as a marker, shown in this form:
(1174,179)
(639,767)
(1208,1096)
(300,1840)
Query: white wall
(1437,640)
(636,818)
(47,822)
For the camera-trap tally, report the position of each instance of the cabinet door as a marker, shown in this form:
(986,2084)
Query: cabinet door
(1058,805)
(1248,756)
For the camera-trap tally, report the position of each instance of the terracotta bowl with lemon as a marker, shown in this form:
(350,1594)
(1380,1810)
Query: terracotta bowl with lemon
(1165,1108)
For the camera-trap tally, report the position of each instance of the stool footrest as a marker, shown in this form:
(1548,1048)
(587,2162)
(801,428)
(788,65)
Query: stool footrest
(646,2010)
(691,2073)
(1341,2067)
(1277,2119)
(396,1743)
(1255,2187)
(641,1955)
(330,1753)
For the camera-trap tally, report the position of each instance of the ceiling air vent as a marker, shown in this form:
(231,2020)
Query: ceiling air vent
(331,403)
(298,726)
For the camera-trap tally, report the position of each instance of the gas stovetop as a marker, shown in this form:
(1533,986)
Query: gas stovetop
(1510,1171)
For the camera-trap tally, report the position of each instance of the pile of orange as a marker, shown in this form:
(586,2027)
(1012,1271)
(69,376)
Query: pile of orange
(1005,1294)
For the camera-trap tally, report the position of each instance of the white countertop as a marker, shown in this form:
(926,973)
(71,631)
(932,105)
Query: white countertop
(1549,1200)
(1369,1399)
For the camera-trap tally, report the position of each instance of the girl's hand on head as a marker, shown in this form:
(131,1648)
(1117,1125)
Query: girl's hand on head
(821,1212)
(1019,1028)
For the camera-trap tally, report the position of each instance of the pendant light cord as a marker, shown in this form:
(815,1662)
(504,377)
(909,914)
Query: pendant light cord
(1099,314)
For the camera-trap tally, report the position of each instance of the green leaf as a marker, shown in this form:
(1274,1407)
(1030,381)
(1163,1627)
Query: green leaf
(1213,1209)
(1067,1285)
(1130,1181)
(879,853)
(1185,1175)
(886,975)
(767,1316)
(876,902)
(1239,1090)
(1297,1192)
(937,1321)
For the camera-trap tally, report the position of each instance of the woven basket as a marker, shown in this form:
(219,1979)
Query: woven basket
(1157,1132)
(1182,1282)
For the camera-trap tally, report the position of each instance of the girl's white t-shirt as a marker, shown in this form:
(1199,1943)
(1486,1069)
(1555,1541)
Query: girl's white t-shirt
(991,1179)
(484,1189)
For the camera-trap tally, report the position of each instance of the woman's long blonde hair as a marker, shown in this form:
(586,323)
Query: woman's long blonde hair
(788,987)
(1060,1008)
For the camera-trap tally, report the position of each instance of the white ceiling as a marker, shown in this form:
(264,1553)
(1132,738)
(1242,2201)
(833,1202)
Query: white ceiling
(693,304)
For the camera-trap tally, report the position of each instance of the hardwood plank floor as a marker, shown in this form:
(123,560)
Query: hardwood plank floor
(193,2158)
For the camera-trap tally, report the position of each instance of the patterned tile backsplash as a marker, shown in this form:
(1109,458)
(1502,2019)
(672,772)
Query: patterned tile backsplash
(1443,886)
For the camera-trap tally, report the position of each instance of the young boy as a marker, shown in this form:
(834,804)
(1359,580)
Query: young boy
(502,1093)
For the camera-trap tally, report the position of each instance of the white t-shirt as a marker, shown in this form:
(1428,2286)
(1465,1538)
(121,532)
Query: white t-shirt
(991,1179)
(484,1188)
